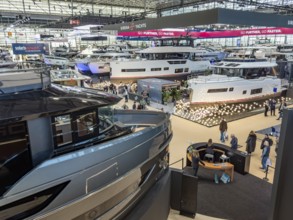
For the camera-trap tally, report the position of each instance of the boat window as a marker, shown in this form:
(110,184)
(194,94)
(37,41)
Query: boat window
(133,70)
(231,89)
(166,68)
(15,159)
(63,129)
(244,92)
(105,119)
(217,90)
(156,69)
(256,91)
(180,70)
(86,124)
(186,70)
(177,62)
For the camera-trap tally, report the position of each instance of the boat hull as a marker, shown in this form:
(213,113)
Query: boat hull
(99,68)
(136,69)
(212,90)
(102,181)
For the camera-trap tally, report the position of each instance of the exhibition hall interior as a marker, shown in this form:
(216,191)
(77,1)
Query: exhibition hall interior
(146,109)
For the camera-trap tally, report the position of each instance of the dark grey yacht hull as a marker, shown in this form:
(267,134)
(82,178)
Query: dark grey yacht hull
(102,181)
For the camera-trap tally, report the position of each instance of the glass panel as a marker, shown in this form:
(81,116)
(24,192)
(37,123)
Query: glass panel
(15,158)
(86,124)
(106,118)
(63,130)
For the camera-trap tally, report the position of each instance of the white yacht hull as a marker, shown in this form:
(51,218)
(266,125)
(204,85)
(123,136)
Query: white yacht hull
(204,93)
(155,68)
(99,67)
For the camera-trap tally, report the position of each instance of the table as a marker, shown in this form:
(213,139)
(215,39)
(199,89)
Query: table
(228,168)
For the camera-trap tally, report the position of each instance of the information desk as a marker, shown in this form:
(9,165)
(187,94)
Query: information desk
(240,160)
(226,167)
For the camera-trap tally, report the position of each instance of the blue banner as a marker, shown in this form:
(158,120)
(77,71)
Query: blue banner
(23,49)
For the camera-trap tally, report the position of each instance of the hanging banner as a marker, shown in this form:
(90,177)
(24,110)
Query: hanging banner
(22,49)
(208,34)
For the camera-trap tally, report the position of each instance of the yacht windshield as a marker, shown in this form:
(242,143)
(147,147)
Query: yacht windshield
(106,119)
(248,73)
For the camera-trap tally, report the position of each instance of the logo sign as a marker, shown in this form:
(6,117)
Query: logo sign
(74,21)
(19,49)
(133,26)
(275,89)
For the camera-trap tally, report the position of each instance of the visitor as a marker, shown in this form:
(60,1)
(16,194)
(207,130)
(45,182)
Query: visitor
(125,106)
(251,142)
(195,161)
(265,154)
(209,152)
(223,129)
(266,108)
(272,104)
(125,94)
(234,142)
(273,131)
(134,106)
(142,103)
(268,139)
(281,110)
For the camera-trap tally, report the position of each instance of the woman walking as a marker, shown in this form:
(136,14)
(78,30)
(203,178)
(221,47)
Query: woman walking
(251,142)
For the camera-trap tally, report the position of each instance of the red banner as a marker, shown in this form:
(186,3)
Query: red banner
(74,21)
(208,34)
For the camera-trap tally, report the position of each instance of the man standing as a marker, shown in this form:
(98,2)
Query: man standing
(273,107)
(265,155)
(266,108)
(234,142)
(268,139)
(223,129)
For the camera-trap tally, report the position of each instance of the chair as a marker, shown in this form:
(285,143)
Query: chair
(226,158)
(209,157)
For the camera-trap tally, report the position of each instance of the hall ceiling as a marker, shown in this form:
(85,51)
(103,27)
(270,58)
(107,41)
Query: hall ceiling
(149,4)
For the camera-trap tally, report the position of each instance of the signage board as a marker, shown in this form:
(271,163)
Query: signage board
(23,49)
(209,34)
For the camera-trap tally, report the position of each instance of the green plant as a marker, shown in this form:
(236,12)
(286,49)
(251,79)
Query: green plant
(176,94)
(166,94)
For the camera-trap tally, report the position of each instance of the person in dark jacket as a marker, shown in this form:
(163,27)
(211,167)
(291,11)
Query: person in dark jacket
(209,153)
(134,106)
(223,129)
(251,142)
(234,142)
(272,104)
(266,109)
(195,161)
(266,138)
(265,155)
